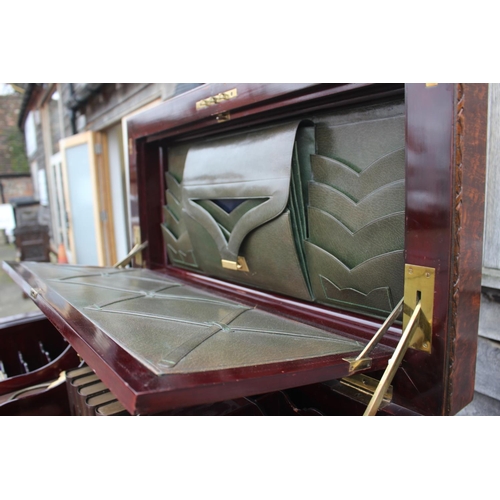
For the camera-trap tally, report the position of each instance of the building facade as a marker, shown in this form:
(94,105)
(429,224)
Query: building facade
(76,142)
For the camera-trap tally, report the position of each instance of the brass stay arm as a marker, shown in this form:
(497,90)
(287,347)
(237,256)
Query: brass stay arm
(393,363)
(139,247)
(363,360)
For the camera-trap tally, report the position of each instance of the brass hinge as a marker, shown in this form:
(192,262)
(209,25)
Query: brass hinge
(216,99)
(365,387)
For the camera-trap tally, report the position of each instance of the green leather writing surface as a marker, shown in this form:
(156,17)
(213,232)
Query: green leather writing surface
(173,328)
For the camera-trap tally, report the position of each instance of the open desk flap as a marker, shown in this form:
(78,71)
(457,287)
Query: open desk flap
(178,338)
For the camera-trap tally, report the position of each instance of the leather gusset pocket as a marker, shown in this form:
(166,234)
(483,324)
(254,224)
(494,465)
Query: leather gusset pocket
(174,186)
(354,183)
(177,242)
(356,222)
(270,254)
(174,205)
(179,249)
(176,226)
(373,286)
(380,236)
(385,200)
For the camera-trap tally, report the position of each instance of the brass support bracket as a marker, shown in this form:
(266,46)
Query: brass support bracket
(394,362)
(239,265)
(367,386)
(135,250)
(363,360)
(417,306)
(419,287)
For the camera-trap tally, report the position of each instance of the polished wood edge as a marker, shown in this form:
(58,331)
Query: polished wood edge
(468,221)
(179,115)
(240,384)
(21,319)
(181,109)
(420,382)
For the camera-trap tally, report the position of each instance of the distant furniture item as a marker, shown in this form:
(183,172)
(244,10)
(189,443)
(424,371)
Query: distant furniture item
(33,243)
(7,221)
(25,210)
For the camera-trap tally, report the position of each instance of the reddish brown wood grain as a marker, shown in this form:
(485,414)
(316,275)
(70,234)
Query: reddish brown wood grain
(468,206)
(150,197)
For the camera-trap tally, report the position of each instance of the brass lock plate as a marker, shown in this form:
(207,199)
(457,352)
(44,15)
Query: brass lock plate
(239,265)
(419,286)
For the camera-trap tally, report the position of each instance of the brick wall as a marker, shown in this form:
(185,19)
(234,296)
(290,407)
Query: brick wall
(12,151)
(14,187)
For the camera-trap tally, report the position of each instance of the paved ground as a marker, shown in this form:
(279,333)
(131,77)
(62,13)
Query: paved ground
(11,296)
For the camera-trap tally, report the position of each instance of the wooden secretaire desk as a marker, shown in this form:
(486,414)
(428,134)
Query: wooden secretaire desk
(285,223)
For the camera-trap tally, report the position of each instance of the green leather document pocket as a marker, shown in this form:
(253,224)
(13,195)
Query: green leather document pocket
(310,210)
(243,198)
(356,215)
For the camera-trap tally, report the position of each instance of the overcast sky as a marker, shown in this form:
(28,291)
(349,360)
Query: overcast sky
(5,89)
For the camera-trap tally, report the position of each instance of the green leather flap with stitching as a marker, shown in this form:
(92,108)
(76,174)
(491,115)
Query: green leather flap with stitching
(252,169)
(243,196)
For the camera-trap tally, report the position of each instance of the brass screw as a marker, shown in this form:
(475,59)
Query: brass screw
(425,345)
(427,274)
(410,270)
